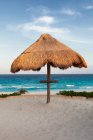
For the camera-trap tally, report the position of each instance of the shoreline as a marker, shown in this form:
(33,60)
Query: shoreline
(33,93)
(43,92)
(43,95)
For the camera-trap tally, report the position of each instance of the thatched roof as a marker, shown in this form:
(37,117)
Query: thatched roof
(47,49)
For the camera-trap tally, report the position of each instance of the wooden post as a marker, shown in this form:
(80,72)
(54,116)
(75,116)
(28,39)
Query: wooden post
(48,83)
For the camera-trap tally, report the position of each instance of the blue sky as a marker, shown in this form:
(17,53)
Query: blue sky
(23,21)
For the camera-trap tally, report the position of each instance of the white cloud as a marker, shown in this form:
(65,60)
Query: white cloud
(88,7)
(79,41)
(90,29)
(35,24)
(47,24)
(43,11)
(28,27)
(42,24)
(42,29)
(70,12)
(64,34)
(45,19)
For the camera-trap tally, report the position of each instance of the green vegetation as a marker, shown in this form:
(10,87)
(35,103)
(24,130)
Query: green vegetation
(12,94)
(21,91)
(73,93)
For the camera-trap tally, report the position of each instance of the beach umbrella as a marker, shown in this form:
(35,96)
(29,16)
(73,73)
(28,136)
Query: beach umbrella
(50,51)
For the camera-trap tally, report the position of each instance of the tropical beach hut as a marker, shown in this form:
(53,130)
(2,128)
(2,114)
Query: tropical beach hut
(47,50)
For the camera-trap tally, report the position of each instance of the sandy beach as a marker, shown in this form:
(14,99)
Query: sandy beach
(30,118)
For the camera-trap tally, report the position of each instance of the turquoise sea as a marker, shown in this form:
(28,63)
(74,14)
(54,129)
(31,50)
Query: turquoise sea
(11,83)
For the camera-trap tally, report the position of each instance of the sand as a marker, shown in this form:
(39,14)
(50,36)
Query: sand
(30,118)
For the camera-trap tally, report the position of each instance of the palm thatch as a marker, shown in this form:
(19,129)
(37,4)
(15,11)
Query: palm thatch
(47,50)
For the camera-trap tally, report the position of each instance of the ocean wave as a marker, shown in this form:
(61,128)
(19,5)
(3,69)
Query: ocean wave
(27,87)
(16,86)
(32,87)
(1,86)
(70,85)
(89,87)
(86,87)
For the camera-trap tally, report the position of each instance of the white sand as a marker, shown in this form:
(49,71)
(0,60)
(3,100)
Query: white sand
(30,118)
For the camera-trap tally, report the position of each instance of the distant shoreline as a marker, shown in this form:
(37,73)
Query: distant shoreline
(53,92)
(46,74)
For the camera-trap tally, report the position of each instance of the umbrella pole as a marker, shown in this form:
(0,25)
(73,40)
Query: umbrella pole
(48,82)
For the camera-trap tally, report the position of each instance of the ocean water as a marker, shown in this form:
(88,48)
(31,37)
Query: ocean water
(11,83)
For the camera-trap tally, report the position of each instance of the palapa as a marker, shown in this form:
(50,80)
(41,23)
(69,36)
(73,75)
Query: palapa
(47,50)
